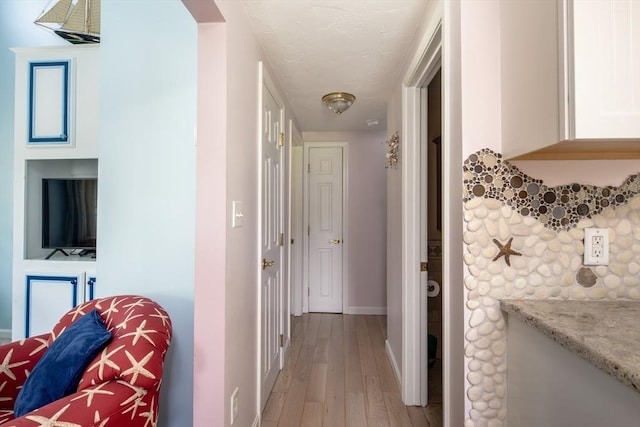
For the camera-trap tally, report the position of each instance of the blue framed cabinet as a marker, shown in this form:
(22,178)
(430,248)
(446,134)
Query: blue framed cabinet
(47,297)
(56,135)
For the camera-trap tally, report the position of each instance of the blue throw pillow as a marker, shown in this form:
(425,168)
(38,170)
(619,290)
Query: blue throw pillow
(58,372)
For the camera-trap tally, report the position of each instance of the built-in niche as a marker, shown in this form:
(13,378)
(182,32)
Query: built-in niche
(36,171)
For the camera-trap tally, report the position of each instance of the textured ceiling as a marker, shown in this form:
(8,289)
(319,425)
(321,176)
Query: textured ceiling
(321,46)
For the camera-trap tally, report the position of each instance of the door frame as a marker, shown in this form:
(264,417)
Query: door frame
(295,179)
(452,287)
(345,222)
(265,80)
(414,87)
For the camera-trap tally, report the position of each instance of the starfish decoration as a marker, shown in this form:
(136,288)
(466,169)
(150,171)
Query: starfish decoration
(506,251)
(53,421)
(138,392)
(150,415)
(3,399)
(43,344)
(90,393)
(105,361)
(5,366)
(141,332)
(137,404)
(96,418)
(77,312)
(137,303)
(54,336)
(113,308)
(130,316)
(138,368)
(161,316)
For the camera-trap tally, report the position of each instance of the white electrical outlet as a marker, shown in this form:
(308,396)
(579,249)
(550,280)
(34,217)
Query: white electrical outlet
(596,246)
(234,405)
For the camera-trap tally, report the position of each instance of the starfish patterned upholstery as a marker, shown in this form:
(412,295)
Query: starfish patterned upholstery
(120,387)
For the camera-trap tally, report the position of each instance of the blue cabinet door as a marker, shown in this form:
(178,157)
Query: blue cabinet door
(49,297)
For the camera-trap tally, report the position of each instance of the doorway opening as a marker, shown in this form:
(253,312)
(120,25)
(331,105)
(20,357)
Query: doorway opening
(432,319)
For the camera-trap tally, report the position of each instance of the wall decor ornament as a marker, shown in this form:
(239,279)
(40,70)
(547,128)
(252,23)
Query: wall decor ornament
(392,152)
(505,250)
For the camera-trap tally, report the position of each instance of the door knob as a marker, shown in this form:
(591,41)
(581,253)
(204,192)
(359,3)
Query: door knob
(266,264)
(334,241)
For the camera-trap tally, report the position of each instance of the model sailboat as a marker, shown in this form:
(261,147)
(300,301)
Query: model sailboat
(77,21)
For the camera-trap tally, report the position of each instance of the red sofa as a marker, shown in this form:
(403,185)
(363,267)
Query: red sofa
(120,386)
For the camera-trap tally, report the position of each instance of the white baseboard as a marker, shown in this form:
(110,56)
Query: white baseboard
(256,421)
(392,359)
(366,310)
(5,336)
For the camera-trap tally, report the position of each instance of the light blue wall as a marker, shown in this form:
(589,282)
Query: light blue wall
(146,201)
(16,30)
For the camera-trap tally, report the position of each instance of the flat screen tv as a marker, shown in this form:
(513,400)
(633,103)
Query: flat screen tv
(69,212)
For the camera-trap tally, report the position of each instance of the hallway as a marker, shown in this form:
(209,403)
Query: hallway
(337,374)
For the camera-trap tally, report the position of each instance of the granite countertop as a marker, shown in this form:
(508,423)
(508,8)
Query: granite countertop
(605,333)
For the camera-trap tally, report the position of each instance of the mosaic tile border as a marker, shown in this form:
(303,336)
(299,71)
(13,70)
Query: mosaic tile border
(487,175)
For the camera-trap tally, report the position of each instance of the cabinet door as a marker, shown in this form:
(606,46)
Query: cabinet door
(49,297)
(49,118)
(606,43)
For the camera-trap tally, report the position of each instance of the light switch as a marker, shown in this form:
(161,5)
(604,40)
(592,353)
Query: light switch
(237,216)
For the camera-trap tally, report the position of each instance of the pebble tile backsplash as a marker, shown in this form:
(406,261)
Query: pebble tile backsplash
(524,239)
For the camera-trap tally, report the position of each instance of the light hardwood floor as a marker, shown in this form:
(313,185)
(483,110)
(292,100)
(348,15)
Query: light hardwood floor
(337,374)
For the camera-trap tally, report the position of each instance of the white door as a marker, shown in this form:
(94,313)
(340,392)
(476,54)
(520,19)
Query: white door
(271,241)
(325,170)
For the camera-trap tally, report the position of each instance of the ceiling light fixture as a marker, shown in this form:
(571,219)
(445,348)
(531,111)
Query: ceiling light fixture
(338,102)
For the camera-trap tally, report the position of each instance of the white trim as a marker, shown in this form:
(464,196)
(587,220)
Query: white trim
(295,199)
(345,221)
(259,246)
(423,67)
(376,311)
(256,421)
(5,336)
(392,360)
(453,297)
(411,247)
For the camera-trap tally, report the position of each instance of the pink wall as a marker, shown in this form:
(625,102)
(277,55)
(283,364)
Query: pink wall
(366,206)
(394,238)
(210,258)
(241,295)
(226,271)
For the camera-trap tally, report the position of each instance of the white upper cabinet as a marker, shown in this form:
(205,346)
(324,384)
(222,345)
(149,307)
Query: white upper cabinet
(606,68)
(570,79)
(57,102)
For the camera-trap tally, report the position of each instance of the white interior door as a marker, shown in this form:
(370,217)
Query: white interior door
(325,171)
(271,242)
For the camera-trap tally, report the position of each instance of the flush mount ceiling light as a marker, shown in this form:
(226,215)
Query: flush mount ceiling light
(338,101)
